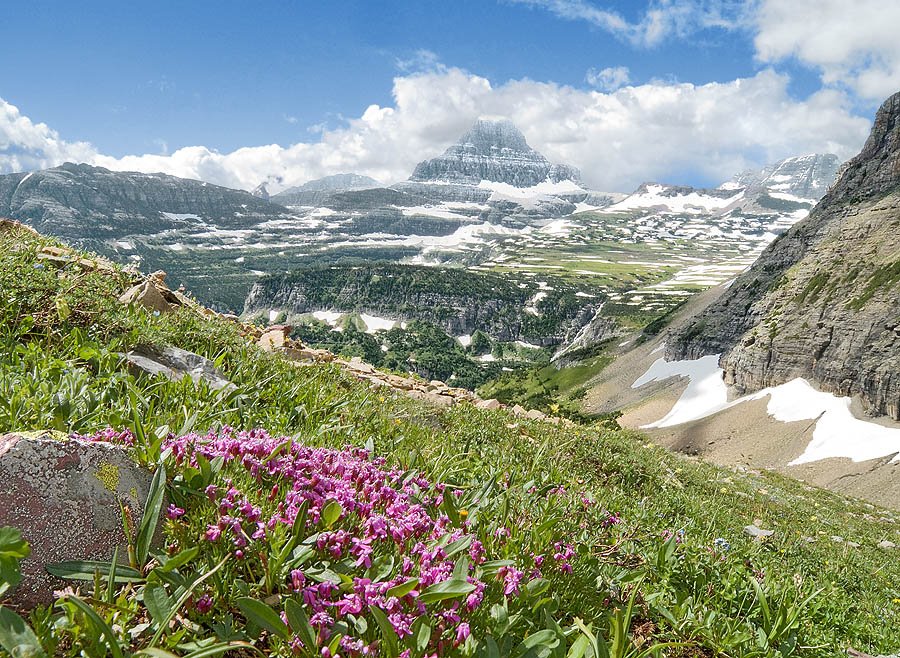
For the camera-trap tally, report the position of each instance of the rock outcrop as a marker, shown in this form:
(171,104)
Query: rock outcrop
(822,301)
(64,495)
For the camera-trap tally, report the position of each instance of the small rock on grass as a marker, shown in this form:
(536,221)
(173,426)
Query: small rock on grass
(756,532)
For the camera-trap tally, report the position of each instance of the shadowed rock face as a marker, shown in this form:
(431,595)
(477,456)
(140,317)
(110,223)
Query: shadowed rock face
(494,151)
(823,301)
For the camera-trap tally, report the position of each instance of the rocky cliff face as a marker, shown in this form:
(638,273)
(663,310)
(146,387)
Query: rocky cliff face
(493,151)
(822,301)
(457,300)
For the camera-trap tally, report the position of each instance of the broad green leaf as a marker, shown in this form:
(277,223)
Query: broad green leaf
(389,641)
(331,513)
(157,601)
(263,616)
(12,549)
(179,559)
(546,639)
(448,589)
(403,589)
(85,569)
(300,623)
(150,518)
(579,647)
(17,637)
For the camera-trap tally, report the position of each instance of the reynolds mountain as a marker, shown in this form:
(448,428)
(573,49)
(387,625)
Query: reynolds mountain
(822,301)
(493,150)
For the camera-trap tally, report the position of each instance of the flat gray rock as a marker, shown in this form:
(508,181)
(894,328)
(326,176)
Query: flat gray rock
(754,531)
(174,363)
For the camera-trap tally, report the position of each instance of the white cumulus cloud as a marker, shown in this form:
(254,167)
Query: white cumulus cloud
(26,145)
(855,44)
(608,79)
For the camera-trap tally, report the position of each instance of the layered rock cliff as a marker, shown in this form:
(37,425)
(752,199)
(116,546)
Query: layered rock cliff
(823,301)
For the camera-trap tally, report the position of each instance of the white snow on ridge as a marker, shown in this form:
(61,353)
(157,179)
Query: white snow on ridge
(545,188)
(682,203)
(331,318)
(784,196)
(705,394)
(838,433)
(559,227)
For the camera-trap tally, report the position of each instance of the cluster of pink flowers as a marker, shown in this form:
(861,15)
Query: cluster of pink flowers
(359,511)
(108,435)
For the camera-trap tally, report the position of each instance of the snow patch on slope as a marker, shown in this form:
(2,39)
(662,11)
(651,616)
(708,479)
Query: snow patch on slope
(838,433)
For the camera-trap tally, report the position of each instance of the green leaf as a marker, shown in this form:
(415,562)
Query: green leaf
(111,580)
(331,513)
(300,623)
(390,643)
(263,616)
(422,634)
(448,589)
(155,652)
(157,601)
(179,559)
(152,508)
(62,309)
(579,647)
(402,589)
(99,625)
(216,649)
(85,569)
(12,549)
(185,595)
(545,639)
(17,638)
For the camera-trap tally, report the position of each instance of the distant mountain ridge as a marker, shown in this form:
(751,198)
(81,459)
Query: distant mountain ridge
(316,191)
(804,176)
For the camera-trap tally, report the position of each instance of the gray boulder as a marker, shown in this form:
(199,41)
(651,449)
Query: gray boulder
(174,363)
(64,496)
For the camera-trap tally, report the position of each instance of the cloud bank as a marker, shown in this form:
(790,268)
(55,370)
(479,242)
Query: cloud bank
(656,131)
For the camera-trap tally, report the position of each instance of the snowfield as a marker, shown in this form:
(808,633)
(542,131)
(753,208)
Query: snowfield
(838,433)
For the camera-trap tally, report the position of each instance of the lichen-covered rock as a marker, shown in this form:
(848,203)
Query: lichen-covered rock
(64,496)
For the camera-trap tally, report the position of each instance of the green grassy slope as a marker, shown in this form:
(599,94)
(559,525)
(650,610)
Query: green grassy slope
(524,485)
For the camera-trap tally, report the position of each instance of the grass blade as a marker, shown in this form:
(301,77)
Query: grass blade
(150,518)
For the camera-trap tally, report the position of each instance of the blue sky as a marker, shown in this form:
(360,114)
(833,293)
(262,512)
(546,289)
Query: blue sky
(112,81)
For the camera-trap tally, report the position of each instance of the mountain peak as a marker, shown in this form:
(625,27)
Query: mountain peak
(488,135)
(876,170)
(494,150)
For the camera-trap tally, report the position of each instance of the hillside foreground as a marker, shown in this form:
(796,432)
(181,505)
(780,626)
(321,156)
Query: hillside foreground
(308,513)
